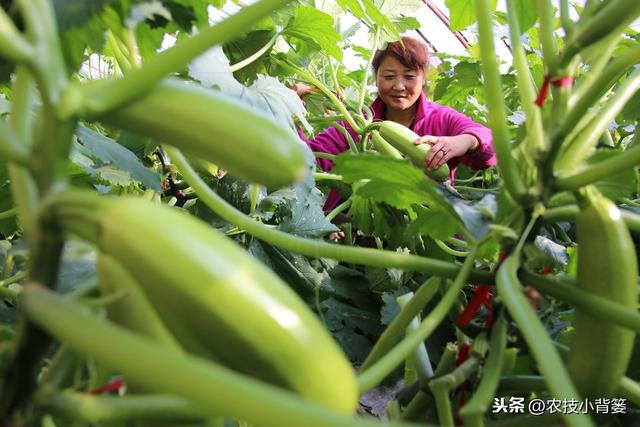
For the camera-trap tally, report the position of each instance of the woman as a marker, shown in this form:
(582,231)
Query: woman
(400,77)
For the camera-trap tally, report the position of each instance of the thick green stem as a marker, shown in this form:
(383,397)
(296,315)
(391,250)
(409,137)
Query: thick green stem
(565,18)
(23,187)
(314,248)
(163,370)
(441,387)
(396,328)
(613,17)
(48,63)
(13,45)
(473,412)
(547,26)
(538,340)
(12,149)
(99,409)
(383,367)
(367,69)
(250,59)
(100,97)
(584,142)
(593,87)
(495,103)
(594,305)
(595,172)
(526,86)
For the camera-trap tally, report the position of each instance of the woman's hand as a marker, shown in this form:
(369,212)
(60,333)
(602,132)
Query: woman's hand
(445,148)
(302,89)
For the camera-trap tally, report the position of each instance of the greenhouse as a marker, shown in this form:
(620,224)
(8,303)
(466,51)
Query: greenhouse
(350,213)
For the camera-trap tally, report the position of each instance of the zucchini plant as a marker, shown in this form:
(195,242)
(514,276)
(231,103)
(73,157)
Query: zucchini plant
(163,259)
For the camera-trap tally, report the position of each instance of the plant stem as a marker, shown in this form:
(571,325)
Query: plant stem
(565,19)
(593,304)
(495,103)
(23,186)
(250,59)
(383,367)
(99,409)
(569,212)
(526,86)
(441,387)
(317,83)
(324,176)
(48,62)
(13,279)
(12,149)
(309,247)
(442,245)
(367,69)
(13,45)
(547,25)
(391,335)
(155,367)
(339,209)
(100,97)
(595,172)
(584,142)
(613,17)
(593,87)
(473,412)
(322,155)
(537,338)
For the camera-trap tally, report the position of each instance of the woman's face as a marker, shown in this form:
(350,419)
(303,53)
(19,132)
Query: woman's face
(398,86)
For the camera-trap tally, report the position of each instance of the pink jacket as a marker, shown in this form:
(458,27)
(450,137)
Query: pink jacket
(431,119)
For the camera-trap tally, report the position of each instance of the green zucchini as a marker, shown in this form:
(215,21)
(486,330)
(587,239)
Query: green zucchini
(132,309)
(218,128)
(402,138)
(217,301)
(607,266)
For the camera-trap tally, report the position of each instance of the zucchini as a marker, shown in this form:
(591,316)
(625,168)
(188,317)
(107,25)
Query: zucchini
(217,301)
(217,128)
(607,266)
(402,138)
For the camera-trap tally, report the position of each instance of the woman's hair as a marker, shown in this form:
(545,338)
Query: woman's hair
(414,55)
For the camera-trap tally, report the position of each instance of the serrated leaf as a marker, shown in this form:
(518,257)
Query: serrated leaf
(315,27)
(110,152)
(307,218)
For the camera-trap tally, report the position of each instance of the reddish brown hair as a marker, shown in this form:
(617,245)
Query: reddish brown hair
(413,55)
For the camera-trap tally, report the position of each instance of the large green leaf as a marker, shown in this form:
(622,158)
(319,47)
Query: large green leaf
(462,13)
(314,27)
(109,152)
